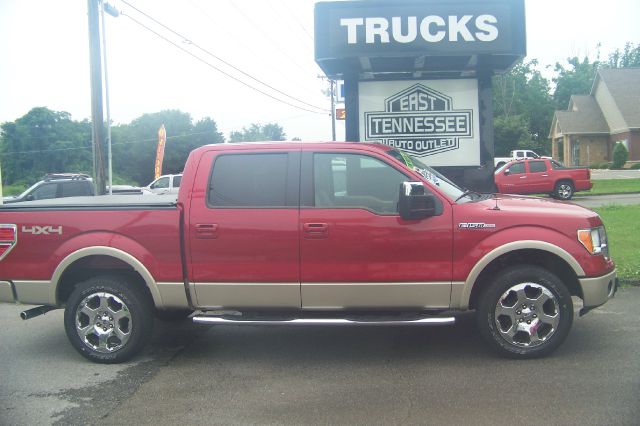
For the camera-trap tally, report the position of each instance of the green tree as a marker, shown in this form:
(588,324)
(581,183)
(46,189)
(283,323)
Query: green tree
(523,109)
(628,57)
(259,132)
(576,79)
(135,144)
(620,156)
(44,141)
(511,133)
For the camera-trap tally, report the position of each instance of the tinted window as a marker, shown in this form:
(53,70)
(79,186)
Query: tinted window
(356,181)
(249,180)
(516,168)
(176,181)
(537,166)
(46,191)
(555,165)
(163,182)
(75,189)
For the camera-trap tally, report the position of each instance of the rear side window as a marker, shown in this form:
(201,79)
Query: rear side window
(176,181)
(75,189)
(537,166)
(248,180)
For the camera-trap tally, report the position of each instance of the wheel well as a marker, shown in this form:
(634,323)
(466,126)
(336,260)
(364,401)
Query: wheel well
(91,266)
(565,180)
(541,258)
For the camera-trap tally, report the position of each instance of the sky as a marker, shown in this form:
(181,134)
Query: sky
(44,55)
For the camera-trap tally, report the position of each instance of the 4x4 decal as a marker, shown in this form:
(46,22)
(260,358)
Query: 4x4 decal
(42,230)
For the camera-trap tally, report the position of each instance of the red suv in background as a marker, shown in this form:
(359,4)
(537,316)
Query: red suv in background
(542,176)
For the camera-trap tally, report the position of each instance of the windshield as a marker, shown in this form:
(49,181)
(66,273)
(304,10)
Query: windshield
(452,190)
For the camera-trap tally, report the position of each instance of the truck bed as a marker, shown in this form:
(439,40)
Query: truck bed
(96,202)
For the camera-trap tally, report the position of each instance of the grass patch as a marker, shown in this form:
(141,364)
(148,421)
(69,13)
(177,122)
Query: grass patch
(12,190)
(624,242)
(612,186)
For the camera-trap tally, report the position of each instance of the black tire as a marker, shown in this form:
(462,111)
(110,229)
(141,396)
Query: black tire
(108,319)
(532,332)
(564,190)
(173,315)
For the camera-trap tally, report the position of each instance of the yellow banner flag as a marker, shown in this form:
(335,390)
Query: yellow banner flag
(162,140)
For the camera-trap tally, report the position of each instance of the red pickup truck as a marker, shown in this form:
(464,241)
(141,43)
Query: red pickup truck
(542,176)
(305,234)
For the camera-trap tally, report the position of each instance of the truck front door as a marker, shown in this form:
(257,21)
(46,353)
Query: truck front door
(356,251)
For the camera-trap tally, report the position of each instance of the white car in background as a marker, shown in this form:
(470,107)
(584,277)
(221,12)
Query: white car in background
(165,184)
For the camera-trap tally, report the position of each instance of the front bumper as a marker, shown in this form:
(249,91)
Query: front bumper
(596,291)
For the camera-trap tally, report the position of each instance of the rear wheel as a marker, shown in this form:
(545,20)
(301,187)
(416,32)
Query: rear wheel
(563,190)
(107,319)
(526,312)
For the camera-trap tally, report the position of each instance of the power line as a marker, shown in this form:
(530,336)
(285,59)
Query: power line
(265,35)
(190,42)
(295,17)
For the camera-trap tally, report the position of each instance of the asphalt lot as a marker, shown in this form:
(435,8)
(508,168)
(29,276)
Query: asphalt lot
(230,375)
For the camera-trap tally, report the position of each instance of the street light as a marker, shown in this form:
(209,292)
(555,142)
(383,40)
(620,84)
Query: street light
(106,7)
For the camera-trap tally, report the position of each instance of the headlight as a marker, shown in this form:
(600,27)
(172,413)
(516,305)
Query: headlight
(594,240)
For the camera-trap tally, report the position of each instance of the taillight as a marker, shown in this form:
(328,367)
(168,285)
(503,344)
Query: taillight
(8,239)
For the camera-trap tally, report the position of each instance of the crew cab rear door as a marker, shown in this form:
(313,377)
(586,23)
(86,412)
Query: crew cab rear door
(356,251)
(243,229)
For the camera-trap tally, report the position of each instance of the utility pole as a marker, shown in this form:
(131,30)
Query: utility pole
(97,134)
(333,105)
(333,110)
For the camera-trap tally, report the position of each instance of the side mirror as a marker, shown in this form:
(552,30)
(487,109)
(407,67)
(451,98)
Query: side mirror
(30,197)
(415,202)
(507,172)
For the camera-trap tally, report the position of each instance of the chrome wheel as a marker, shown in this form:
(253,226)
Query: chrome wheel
(527,315)
(103,322)
(564,191)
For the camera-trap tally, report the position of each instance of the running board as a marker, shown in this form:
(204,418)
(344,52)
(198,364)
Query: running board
(203,319)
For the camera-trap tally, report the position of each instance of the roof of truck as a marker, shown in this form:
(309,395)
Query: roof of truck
(289,144)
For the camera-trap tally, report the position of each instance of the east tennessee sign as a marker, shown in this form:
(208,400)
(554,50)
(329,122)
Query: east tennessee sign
(435,119)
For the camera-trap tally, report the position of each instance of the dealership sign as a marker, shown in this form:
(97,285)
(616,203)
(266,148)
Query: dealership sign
(358,29)
(432,119)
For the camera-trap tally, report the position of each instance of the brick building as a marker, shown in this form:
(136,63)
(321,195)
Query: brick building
(588,130)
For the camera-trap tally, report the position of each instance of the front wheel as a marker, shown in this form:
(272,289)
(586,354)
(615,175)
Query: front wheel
(563,190)
(526,312)
(108,319)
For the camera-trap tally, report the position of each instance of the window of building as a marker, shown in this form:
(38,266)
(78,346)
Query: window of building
(356,181)
(248,180)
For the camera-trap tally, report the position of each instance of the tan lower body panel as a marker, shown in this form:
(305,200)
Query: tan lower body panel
(6,292)
(172,295)
(248,295)
(34,292)
(342,296)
